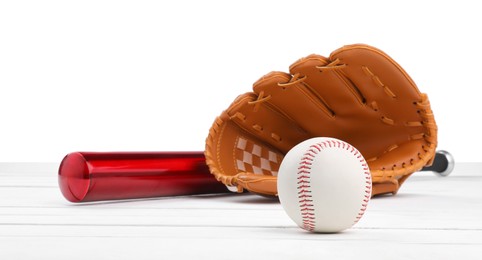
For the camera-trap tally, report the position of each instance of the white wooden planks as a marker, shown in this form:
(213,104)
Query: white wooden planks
(430,218)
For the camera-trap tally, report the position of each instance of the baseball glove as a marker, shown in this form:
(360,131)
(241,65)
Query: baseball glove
(359,95)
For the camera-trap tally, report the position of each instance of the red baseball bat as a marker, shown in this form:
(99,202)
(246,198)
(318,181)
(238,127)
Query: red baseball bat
(94,176)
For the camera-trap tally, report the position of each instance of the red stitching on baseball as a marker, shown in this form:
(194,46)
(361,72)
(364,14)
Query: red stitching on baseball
(368,191)
(304,191)
(304,175)
(313,151)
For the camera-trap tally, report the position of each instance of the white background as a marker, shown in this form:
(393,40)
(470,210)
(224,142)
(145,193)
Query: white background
(153,75)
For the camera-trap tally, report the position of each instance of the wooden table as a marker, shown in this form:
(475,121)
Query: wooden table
(431,218)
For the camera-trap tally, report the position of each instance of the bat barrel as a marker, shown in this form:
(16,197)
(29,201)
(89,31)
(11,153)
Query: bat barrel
(94,176)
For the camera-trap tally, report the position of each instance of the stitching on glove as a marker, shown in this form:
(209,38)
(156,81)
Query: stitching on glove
(428,120)
(336,64)
(387,120)
(258,128)
(276,137)
(296,78)
(413,123)
(216,127)
(238,115)
(261,98)
(378,82)
(374,106)
(417,136)
(392,147)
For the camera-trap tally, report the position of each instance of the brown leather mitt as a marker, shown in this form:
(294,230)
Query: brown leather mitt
(358,94)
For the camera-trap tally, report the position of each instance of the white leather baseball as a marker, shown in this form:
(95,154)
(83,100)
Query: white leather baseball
(324,185)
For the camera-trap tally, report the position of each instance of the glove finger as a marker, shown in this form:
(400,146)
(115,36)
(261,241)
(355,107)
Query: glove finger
(264,123)
(296,101)
(395,98)
(324,80)
(380,80)
(350,119)
(388,90)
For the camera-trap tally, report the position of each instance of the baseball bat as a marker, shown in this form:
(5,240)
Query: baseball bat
(95,176)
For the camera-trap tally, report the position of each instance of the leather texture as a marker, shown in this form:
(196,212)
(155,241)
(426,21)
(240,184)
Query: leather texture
(358,94)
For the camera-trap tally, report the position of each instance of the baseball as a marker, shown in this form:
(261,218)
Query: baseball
(324,185)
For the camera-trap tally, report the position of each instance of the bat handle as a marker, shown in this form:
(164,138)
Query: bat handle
(443,164)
